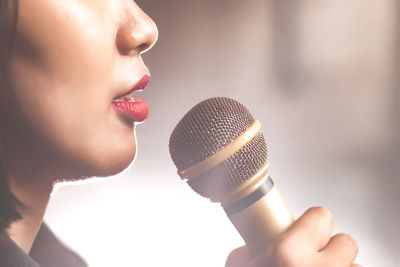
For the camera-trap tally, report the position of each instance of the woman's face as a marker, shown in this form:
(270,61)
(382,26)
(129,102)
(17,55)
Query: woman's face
(70,61)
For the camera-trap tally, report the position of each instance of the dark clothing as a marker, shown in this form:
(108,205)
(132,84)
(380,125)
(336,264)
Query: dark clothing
(12,256)
(47,251)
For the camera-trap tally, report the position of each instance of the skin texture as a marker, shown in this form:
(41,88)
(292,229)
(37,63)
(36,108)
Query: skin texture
(71,59)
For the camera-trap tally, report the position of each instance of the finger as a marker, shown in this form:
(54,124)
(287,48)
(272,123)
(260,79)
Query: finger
(313,227)
(356,265)
(238,257)
(341,248)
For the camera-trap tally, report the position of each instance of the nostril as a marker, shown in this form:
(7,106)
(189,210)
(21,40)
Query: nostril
(143,47)
(133,39)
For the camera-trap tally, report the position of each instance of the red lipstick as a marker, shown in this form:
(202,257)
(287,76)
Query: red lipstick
(133,107)
(140,85)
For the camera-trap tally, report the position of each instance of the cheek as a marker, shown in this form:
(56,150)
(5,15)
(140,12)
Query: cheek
(95,136)
(73,129)
(64,93)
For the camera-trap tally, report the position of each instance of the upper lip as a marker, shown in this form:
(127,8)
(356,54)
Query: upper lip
(140,85)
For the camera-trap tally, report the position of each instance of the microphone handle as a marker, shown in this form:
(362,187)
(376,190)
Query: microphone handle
(259,216)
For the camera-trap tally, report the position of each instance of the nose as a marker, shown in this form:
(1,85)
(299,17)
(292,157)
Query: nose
(138,34)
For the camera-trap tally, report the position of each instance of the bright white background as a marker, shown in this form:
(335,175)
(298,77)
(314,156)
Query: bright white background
(321,76)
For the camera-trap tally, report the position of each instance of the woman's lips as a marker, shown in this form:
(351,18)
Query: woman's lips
(140,85)
(133,107)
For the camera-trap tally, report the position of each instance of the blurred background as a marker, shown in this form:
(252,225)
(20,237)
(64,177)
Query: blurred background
(323,79)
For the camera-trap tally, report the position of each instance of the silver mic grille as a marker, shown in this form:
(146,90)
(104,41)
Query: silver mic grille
(207,128)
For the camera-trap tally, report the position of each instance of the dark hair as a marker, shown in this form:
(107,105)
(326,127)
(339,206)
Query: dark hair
(8,21)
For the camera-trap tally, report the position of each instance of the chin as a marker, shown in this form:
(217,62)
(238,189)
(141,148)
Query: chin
(114,165)
(104,163)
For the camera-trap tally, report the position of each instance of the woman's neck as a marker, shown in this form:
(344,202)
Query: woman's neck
(23,232)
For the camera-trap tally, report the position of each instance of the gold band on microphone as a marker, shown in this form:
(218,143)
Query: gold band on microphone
(224,153)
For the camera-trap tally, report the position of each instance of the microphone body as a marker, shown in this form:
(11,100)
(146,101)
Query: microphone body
(258,212)
(219,149)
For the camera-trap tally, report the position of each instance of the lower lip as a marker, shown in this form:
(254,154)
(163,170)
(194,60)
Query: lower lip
(136,109)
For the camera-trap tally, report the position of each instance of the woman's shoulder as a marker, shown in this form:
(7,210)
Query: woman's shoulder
(12,255)
(49,251)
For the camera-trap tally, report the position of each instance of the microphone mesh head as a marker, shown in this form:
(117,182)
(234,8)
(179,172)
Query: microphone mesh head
(207,128)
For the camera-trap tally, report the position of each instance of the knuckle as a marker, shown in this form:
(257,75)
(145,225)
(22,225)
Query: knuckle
(322,212)
(236,257)
(347,240)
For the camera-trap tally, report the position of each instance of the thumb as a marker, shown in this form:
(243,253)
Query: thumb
(238,257)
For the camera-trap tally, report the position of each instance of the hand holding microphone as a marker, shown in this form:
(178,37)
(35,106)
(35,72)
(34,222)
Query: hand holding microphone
(307,243)
(218,147)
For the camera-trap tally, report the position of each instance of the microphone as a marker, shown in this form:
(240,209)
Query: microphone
(219,149)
